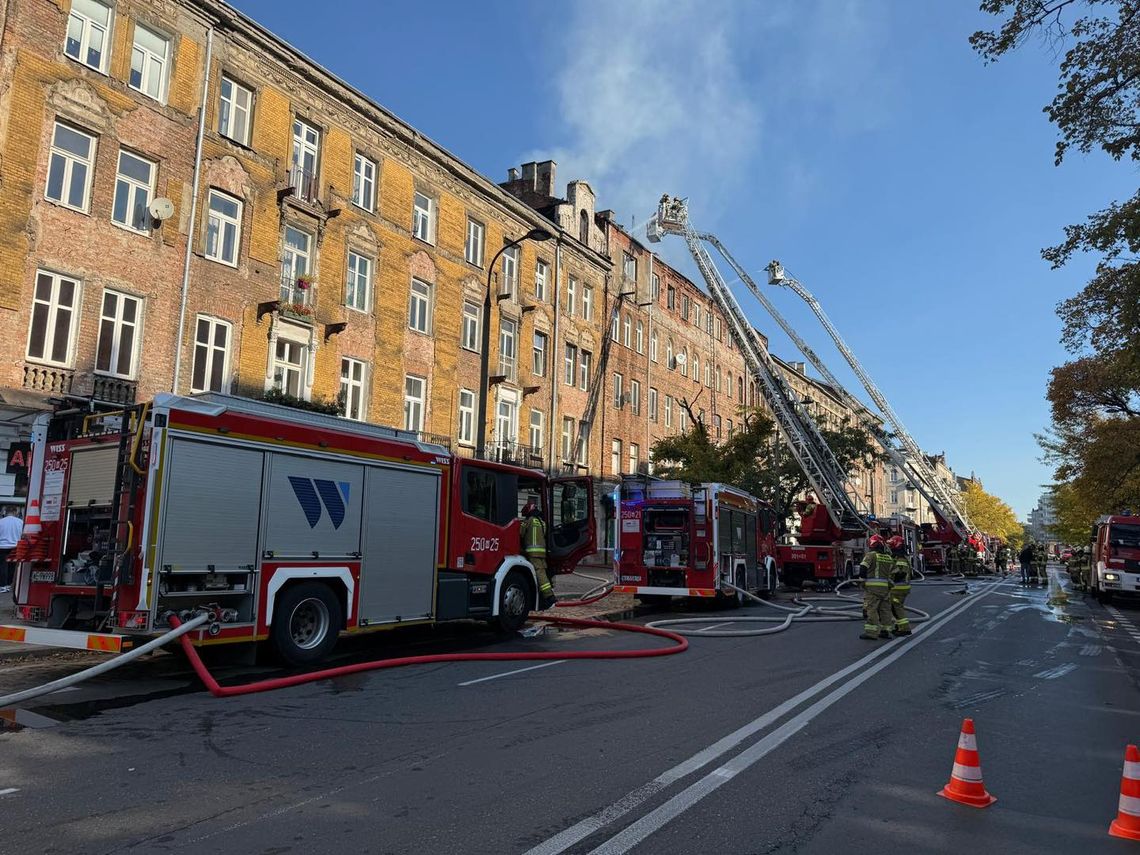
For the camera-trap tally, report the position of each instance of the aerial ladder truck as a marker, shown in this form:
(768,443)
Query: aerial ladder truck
(832,532)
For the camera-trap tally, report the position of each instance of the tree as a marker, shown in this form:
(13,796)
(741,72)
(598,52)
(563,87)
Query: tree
(989,513)
(1094,444)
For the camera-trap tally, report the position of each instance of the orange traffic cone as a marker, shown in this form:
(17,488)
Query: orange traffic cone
(32,519)
(1127,822)
(965,786)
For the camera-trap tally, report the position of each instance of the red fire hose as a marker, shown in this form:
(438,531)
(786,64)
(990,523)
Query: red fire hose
(219,691)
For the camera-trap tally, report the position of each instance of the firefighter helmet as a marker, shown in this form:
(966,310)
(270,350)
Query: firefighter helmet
(895,543)
(875,541)
(530,508)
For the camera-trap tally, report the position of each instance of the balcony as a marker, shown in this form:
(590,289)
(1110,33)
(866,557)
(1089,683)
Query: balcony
(114,390)
(515,453)
(508,369)
(296,295)
(304,184)
(53,381)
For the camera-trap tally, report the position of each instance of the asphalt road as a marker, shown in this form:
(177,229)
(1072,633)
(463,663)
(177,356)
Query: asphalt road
(808,741)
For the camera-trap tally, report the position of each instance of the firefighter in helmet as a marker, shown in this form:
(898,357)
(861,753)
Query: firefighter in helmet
(533,535)
(876,571)
(807,512)
(900,584)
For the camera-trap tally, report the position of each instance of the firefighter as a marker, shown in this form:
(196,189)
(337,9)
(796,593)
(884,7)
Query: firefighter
(1002,560)
(1025,558)
(1040,557)
(876,571)
(569,504)
(533,535)
(953,565)
(900,584)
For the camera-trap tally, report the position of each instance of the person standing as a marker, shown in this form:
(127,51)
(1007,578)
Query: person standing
(533,535)
(11,527)
(900,584)
(876,571)
(1026,559)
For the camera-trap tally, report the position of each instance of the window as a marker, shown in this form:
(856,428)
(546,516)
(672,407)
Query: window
(150,59)
(133,186)
(671,297)
(683,419)
(69,170)
(306,154)
(686,306)
(466,417)
(419,307)
(584,369)
(584,445)
(740,389)
(508,348)
(538,367)
(634,457)
(235,106)
(730,429)
(635,396)
(587,303)
(625,327)
(717,330)
(223,228)
(716,425)
(510,271)
(211,356)
(53,318)
(894,475)
(653,345)
(352,389)
(639,339)
(669,411)
(423,218)
(541,277)
(571,360)
(507,419)
(652,404)
(584,228)
(567,439)
(537,422)
(656,287)
(615,328)
(471,317)
(295,264)
(87,33)
(414,401)
(571,295)
(698,318)
(708,375)
(719,377)
(290,366)
(118,334)
(363,182)
(473,249)
(615,457)
(358,283)
(670,362)
(629,267)
(894,500)
(709,322)
(618,382)
(696,372)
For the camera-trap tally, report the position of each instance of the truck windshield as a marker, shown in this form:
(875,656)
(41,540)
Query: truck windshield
(1124,535)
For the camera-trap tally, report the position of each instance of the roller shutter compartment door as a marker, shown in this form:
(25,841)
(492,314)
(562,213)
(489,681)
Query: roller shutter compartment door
(92,479)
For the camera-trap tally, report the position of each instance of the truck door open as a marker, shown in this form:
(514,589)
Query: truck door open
(573,533)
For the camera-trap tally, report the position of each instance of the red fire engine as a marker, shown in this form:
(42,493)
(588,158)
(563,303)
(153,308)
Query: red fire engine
(825,554)
(1115,556)
(287,526)
(681,540)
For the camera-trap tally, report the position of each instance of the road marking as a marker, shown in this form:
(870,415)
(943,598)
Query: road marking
(1090,650)
(695,792)
(978,698)
(585,828)
(9,791)
(1054,673)
(516,671)
(1129,627)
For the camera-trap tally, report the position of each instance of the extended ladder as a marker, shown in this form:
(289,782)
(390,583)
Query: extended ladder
(597,383)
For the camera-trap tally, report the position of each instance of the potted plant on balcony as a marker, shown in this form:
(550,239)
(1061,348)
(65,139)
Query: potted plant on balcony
(297,310)
(304,282)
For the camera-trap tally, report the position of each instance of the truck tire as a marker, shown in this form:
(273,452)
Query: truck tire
(307,619)
(515,598)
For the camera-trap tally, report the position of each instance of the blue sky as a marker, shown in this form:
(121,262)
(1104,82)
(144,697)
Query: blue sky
(861,142)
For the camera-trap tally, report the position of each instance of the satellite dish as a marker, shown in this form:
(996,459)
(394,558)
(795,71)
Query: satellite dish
(161,209)
(680,358)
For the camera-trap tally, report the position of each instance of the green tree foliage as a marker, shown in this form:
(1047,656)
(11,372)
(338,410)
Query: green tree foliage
(1094,443)
(989,513)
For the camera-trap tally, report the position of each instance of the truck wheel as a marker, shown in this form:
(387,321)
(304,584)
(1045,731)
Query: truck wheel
(515,599)
(306,621)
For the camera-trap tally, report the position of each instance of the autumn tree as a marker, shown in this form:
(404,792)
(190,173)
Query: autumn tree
(1094,443)
(989,513)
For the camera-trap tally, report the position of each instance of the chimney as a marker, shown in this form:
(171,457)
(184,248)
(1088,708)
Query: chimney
(513,174)
(529,173)
(607,215)
(544,183)
(801,367)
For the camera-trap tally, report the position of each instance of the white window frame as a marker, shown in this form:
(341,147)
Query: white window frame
(507,416)
(656,287)
(510,282)
(539,354)
(635,396)
(474,247)
(306,157)
(652,404)
(358,277)
(541,279)
(619,383)
(52,306)
(354,387)
(509,348)
(537,431)
(668,411)
(364,182)
(415,403)
(626,326)
(416,298)
(585,368)
(118,326)
(571,295)
(152,63)
(206,353)
(423,218)
(584,448)
(472,327)
(629,267)
(296,261)
(225,221)
(570,364)
(615,456)
(290,335)
(70,161)
(230,109)
(568,437)
(634,457)
(653,346)
(88,25)
(466,417)
(639,336)
(587,303)
(132,187)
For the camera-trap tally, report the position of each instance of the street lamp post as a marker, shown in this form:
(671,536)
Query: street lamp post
(537,235)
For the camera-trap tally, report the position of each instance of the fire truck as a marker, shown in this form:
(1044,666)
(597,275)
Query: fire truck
(937,539)
(825,555)
(288,527)
(1115,560)
(681,540)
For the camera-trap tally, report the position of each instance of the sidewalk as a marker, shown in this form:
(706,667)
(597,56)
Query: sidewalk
(572,587)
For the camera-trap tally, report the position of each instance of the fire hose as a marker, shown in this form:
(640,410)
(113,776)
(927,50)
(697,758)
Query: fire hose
(603,589)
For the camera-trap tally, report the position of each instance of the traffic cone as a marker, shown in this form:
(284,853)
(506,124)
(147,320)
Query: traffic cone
(1127,822)
(32,519)
(965,786)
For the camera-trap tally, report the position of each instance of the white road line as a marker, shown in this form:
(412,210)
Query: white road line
(516,671)
(688,797)
(1054,673)
(584,828)
(9,791)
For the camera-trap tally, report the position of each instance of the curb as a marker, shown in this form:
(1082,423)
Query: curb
(34,651)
